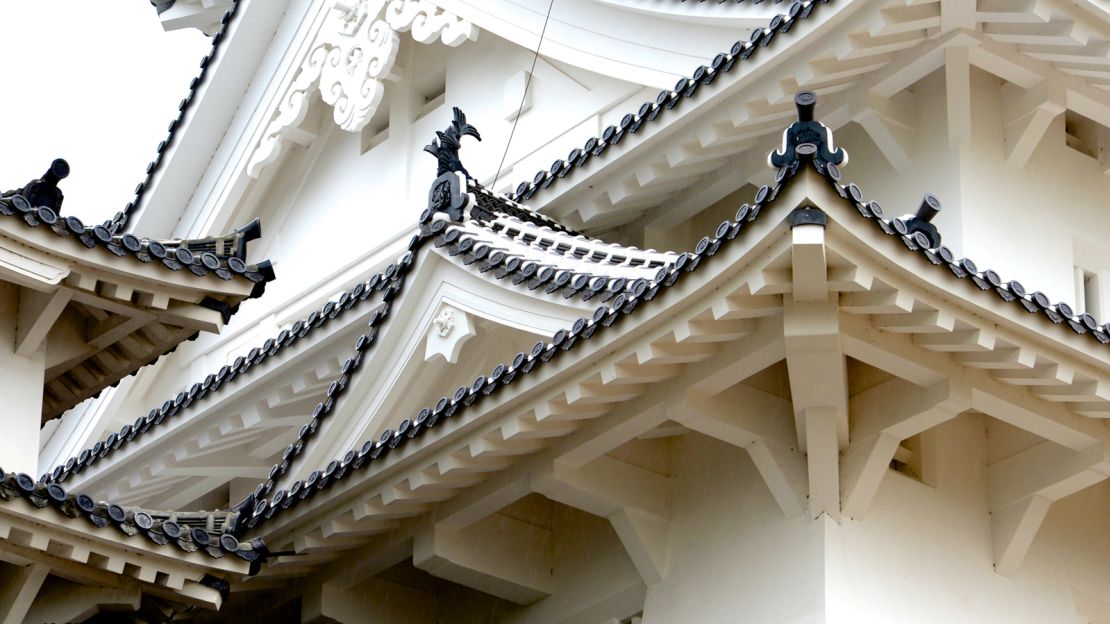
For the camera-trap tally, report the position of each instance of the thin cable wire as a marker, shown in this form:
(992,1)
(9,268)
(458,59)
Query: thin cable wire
(523,96)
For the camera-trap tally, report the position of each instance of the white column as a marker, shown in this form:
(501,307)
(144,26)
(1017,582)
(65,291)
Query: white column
(21,382)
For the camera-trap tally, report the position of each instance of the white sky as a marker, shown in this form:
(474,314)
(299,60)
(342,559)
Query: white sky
(96,83)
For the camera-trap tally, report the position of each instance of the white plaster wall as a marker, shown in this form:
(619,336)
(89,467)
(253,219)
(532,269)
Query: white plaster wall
(924,554)
(732,556)
(1027,218)
(351,203)
(920,554)
(1021,222)
(935,168)
(589,566)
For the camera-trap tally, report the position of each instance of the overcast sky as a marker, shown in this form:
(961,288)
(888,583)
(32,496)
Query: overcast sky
(96,83)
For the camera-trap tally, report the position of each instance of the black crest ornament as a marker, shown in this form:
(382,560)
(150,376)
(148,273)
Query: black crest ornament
(44,191)
(445,147)
(816,138)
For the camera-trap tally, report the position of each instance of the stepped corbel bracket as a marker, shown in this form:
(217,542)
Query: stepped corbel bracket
(445,147)
(352,55)
(807,139)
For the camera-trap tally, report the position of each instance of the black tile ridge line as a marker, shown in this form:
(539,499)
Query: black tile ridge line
(214,382)
(686,88)
(118,223)
(1013,291)
(604,316)
(467,250)
(512,240)
(504,206)
(435,230)
(157,526)
(259,509)
(172,254)
(390,282)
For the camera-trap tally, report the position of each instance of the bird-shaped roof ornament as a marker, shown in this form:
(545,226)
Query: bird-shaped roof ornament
(445,147)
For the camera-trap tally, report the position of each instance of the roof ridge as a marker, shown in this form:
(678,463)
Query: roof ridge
(119,222)
(213,382)
(685,89)
(806,154)
(262,509)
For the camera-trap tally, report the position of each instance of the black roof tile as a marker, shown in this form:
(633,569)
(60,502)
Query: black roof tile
(258,509)
(266,502)
(213,533)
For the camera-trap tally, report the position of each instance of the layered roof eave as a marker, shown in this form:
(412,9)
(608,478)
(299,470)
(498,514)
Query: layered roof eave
(847,235)
(139,297)
(851,59)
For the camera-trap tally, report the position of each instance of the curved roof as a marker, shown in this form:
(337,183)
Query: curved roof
(116,303)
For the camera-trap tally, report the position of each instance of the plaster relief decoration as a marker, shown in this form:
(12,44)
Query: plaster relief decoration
(351,57)
(427,21)
(451,328)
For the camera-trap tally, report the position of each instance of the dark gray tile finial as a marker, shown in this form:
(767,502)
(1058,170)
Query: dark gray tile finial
(807,139)
(44,191)
(920,222)
(445,147)
(807,215)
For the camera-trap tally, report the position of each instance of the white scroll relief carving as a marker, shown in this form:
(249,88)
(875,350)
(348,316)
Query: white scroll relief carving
(426,21)
(451,328)
(351,56)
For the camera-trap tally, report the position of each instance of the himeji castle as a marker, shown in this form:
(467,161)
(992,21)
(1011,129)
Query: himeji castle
(578,312)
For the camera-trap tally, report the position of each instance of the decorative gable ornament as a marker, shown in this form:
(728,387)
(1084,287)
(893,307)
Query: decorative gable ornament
(349,61)
(451,328)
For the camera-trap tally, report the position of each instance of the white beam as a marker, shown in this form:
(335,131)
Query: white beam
(63,601)
(374,600)
(1027,115)
(890,123)
(808,263)
(765,429)
(957,82)
(815,363)
(1023,486)
(606,485)
(644,537)
(823,461)
(882,417)
(763,348)
(18,591)
(37,313)
(498,555)
(1047,470)
(1015,406)
(1013,529)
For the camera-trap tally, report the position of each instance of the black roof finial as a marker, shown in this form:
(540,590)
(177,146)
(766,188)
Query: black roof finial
(44,191)
(921,223)
(806,138)
(445,147)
